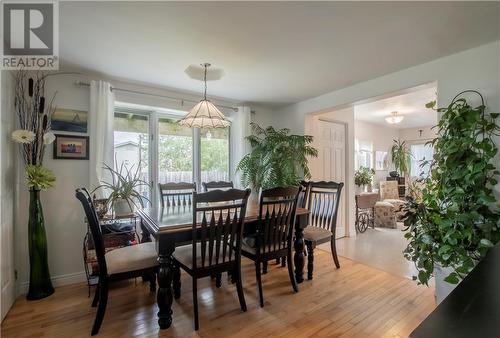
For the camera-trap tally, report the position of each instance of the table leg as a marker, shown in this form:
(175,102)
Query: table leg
(298,257)
(145,235)
(164,295)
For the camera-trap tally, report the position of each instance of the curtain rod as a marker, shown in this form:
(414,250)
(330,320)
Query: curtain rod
(85,84)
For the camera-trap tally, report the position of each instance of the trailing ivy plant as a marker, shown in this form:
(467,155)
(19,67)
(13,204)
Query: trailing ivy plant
(455,220)
(276,159)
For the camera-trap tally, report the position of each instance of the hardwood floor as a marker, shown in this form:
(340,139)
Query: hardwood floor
(355,301)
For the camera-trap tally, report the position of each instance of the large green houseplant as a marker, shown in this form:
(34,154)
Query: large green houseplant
(401,157)
(454,221)
(276,159)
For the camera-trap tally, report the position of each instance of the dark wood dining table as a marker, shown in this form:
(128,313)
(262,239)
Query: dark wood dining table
(172,226)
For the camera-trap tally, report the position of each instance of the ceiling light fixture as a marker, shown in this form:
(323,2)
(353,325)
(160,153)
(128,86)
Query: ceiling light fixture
(205,114)
(394,118)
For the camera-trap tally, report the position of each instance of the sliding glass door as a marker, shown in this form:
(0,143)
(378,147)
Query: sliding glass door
(162,151)
(131,147)
(175,151)
(214,159)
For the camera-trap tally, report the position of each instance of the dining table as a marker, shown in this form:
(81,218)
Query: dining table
(172,226)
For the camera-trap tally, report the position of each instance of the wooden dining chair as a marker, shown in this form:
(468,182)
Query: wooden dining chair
(207,186)
(273,239)
(176,194)
(118,264)
(323,205)
(301,203)
(218,218)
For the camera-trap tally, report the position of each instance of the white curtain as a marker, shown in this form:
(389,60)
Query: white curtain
(240,128)
(101,130)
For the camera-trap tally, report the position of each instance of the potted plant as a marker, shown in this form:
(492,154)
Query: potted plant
(34,112)
(453,222)
(124,195)
(363,178)
(401,157)
(276,159)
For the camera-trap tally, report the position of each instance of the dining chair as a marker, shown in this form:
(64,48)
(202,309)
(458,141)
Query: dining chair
(301,203)
(273,239)
(118,264)
(176,194)
(207,186)
(323,205)
(218,218)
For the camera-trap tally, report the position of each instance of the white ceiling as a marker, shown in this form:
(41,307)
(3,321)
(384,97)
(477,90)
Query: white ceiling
(272,53)
(411,105)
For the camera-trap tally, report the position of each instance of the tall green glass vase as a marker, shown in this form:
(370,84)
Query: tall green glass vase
(40,283)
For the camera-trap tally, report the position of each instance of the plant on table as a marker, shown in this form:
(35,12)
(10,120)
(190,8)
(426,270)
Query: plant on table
(455,220)
(276,159)
(363,176)
(34,113)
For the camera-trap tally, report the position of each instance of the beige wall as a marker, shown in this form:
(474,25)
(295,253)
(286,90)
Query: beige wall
(413,135)
(381,138)
(7,174)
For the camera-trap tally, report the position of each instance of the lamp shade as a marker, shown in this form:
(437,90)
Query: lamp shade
(205,115)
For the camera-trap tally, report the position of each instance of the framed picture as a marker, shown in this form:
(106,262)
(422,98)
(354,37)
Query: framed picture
(381,160)
(71,147)
(69,120)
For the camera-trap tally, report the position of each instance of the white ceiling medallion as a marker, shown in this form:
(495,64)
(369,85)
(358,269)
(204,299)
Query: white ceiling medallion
(394,118)
(205,114)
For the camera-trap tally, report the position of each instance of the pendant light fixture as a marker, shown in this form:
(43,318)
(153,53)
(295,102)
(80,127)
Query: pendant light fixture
(205,114)
(394,118)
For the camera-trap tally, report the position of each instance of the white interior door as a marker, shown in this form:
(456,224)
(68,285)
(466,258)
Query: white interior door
(330,165)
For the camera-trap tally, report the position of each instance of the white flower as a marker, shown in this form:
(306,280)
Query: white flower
(48,138)
(23,136)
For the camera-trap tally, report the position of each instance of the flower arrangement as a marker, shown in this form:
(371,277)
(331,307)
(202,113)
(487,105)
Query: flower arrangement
(363,176)
(34,113)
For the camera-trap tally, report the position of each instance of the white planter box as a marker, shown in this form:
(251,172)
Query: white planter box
(443,288)
(122,208)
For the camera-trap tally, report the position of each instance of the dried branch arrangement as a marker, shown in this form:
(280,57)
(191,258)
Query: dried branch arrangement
(34,113)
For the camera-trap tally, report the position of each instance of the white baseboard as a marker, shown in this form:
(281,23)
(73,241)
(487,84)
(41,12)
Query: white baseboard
(61,280)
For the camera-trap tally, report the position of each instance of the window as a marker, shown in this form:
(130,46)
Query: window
(420,153)
(151,139)
(363,154)
(175,152)
(214,155)
(131,146)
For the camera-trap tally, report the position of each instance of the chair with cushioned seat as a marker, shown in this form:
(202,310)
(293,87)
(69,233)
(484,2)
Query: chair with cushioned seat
(273,239)
(323,204)
(118,264)
(389,194)
(217,231)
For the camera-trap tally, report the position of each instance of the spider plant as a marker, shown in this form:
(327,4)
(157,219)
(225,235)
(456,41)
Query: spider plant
(276,159)
(124,185)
